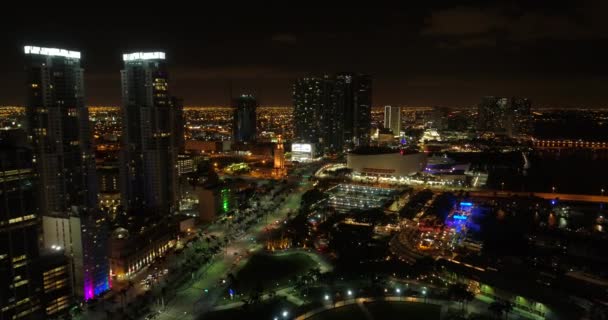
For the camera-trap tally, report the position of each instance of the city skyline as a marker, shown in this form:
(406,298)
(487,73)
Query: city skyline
(419,161)
(427,55)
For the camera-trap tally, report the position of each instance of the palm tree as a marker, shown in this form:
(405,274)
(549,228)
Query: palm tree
(468,297)
(497,308)
(507,307)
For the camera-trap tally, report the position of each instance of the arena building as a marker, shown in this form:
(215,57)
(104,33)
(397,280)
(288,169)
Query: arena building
(385,162)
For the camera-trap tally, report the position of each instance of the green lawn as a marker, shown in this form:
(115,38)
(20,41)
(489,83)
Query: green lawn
(268,270)
(265,310)
(382,310)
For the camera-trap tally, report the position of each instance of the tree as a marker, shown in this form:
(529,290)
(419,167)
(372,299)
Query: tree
(459,292)
(507,307)
(496,308)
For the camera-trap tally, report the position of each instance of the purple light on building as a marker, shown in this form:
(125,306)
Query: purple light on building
(88,291)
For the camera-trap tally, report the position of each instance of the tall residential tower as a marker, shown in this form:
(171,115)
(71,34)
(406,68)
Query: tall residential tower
(244,124)
(149,150)
(392,119)
(333,111)
(63,159)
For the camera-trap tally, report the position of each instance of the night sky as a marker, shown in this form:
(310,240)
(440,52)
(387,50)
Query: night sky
(553,52)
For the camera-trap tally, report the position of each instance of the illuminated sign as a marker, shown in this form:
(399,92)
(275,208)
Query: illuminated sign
(301,147)
(143,56)
(466,204)
(51,52)
(459,217)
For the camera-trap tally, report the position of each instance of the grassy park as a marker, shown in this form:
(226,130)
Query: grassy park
(382,310)
(268,270)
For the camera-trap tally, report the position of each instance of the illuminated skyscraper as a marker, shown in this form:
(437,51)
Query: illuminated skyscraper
(522,121)
(148,158)
(244,119)
(493,113)
(502,115)
(307,106)
(355,107)
(392,119)
(333,111)
(59,128)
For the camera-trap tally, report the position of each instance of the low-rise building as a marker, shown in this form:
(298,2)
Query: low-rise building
(133,249)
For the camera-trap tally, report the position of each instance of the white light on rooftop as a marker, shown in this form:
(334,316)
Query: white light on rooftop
(143,56)
(51,52)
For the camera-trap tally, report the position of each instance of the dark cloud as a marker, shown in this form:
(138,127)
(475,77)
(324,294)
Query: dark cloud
(284,38)
(519,23)
(418,53)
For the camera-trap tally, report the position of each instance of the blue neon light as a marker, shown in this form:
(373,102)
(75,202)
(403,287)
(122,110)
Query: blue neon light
(553,202)
(459,217)
(466,204)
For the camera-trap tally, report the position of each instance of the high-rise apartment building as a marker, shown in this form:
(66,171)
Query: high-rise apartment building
(522,120)
(148,157)
(493,114)
(309,103)
(244,123)
(392,119)
(333,111)
(59,130)
(503,115)
(19,231)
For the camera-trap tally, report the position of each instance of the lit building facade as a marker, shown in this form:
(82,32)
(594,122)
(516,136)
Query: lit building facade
(18,235)
(130,251)
(148,171)
(493,114)
(302,152)
(244,124)
(392,119)
(279,158)
(355,107)
(59,128)
(64,162)
(185,164)
(55,283)
(309,103)
(522,122)
(502,115)
(333,112)
(83,236)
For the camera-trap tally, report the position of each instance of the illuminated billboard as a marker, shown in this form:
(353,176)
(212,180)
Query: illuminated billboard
(302,152)
(51,52)
(301,147)
(143,56)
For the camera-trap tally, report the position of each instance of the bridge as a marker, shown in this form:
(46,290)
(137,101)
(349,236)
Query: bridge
(569,144)
(543,195)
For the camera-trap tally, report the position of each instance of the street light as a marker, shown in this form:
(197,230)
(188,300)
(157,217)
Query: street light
(398,291)
(349,292)
(285,313)
(326,297)
(424,294)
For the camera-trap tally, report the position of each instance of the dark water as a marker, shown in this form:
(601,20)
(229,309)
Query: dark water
(581,172)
